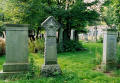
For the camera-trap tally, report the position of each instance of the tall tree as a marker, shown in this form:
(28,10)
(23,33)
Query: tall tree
(70,13)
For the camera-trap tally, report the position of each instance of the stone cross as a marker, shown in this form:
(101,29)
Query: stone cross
(16,48)
(50,56)
(109,49)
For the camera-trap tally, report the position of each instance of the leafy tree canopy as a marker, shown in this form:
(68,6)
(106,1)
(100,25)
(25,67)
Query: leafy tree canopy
(74,13)
(111,12)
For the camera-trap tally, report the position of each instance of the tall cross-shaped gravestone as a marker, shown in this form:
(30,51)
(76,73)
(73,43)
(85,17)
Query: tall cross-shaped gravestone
(16,49)
(109,49)
(50,66)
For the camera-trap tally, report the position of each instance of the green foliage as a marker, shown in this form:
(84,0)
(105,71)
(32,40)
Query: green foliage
(31,46)
(24,12)
(71,46)
(118,39)
(39,45)
(82,15)
(1,14)
(100,40)
(31,73)
(2,59)
(111,12)
(36,11)
(118,55)
(36,46)
(98,58)
(76,16)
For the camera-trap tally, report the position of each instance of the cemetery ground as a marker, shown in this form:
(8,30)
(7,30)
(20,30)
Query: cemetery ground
(77,67)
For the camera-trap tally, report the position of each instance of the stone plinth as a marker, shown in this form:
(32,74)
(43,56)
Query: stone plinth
(16,48)
(109,49)
(50,70)
(50,56)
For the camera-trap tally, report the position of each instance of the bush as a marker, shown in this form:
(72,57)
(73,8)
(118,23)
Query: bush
(2,46)
(71,46)
(118,61)
(31,73)
(36,46)
(98,59)
(118,39)
(100,40)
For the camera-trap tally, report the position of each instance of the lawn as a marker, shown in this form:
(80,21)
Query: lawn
(77,67)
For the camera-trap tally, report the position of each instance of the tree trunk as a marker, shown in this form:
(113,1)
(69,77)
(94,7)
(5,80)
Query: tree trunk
(49,2)
(60,35)
(66,34)
(67,30)
(60,39)
(37,32)
(76,36)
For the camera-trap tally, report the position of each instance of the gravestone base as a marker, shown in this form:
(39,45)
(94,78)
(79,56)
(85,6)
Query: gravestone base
(50,70)
(108,67)
(15,67)
(4,75)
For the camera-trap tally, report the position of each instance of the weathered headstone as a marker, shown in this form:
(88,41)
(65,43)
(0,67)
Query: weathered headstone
(50,66)
(85,37)
(95,33)
(72,37)
(109,49)
(16,48)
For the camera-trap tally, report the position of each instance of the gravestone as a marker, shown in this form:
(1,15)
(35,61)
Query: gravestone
(50,66)
(109,49)
(16,49)
(72,37)
(95,33)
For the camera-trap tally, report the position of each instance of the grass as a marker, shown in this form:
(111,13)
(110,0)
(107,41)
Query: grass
(77,67)
(2,59)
